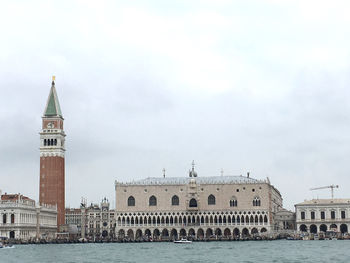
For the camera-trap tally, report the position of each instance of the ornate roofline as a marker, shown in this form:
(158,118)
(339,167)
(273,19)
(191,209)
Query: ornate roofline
(199,180)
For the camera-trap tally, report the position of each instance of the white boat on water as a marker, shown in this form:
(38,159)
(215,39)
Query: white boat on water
(182,241)
(6,246)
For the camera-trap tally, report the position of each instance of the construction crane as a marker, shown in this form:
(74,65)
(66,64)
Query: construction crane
(325,187)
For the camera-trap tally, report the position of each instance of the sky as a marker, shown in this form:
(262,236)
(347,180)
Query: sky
(243,86)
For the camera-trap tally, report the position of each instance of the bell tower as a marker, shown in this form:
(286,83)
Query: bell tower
(52,149)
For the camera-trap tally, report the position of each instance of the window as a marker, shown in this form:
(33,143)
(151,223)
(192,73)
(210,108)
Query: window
(233,201)
(12,218)
(152,201)
(175,200)
(256,201)
(332,214)
(302,215)
(322,215)
(131,201)
(312,215)
(193,202)
(342,214)
(211,200)
(4,219)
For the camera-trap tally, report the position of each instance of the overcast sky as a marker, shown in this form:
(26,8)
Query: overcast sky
(259,86)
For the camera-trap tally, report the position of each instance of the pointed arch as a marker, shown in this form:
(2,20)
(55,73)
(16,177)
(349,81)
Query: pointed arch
(256,201)
(152,201)
(265,219)
(175,200)
(131,201)
(211,200)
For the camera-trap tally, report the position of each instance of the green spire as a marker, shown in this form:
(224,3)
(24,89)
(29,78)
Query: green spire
(53,106)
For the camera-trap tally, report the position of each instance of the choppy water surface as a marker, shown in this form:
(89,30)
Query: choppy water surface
(248,251)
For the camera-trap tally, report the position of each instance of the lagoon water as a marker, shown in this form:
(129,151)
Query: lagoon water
(247,251)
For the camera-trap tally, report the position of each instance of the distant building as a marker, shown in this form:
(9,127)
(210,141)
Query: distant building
(285,220)
(99,220)
(52,152)
(169,208)
(20,218)
(320,215)
(73,217)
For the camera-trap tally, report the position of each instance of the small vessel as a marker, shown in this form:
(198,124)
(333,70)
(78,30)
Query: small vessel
(182,241)
(6,246)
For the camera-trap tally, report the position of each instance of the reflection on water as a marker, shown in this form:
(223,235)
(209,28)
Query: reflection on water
(247,251)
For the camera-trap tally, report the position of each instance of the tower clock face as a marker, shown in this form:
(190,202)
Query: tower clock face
(50,125)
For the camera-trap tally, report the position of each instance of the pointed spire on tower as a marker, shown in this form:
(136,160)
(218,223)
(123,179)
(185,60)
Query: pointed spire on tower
(53,108)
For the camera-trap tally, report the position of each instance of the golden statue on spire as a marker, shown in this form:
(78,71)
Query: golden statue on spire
(53,78)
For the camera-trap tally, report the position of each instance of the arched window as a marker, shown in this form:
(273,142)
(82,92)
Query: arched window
(48,142)
(152,201)
(256,201)
(55,142)
(233,201)
(131,201)
(193,202)
(12,218)
(175,200)
(4,219)
(211,200)
(45,142)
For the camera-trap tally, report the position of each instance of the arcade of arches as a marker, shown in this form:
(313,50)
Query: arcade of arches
(199,233)
(191,224)
(316,228)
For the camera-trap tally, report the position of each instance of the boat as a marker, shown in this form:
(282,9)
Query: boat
(6,246)
(182,241)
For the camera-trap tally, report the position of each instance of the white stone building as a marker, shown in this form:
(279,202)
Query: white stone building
(21,218)
(321,215)
(201,207)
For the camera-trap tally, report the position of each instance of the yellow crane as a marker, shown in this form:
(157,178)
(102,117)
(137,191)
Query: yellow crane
(325,187)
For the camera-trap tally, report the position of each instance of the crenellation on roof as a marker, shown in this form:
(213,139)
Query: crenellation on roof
(199,180)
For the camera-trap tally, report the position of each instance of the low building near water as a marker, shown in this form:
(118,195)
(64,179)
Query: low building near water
(285,221)
(321,215)
(21,218)
(197,207)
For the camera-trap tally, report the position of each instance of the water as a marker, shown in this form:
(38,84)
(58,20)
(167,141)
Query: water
(249,251)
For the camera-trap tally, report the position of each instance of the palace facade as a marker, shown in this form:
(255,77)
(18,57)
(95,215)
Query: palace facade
(197,207)
(21,218)
(321,215)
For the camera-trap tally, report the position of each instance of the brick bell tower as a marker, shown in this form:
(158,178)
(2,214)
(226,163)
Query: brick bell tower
(52,137)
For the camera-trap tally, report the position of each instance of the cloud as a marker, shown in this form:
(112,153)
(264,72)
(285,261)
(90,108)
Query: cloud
(257,86)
